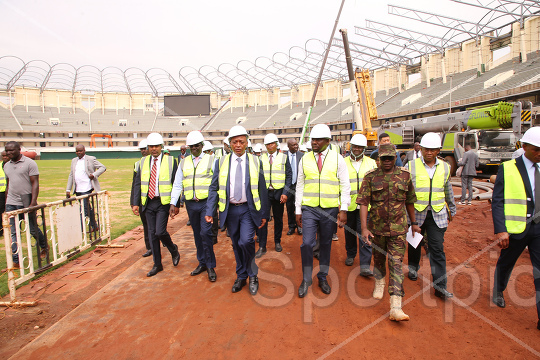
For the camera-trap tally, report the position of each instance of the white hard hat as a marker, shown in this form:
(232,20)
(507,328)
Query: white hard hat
(142,144)
(194,137)
(302,148)
(308,145)
(237,130)
(320,131)
(154,139)
(207,146)
(431,140)
(270,138)
(249,143)
(359,140)
(532,136)
(257,148)
(226,141)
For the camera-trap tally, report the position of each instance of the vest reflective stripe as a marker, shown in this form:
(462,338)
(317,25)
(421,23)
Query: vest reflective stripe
(515,199)
(197,178)
(326,196)
(253,179)
(164,178)
(274,174)
(422,182)
(356,178)
(3,182)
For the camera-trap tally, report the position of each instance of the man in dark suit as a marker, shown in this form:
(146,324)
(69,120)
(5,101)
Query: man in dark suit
(516,215)
(278,174)
(153,184)
(294,159)
(238,185)
(413,154)
(137,200)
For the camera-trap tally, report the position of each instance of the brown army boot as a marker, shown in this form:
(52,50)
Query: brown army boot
(396,313)
(378,292)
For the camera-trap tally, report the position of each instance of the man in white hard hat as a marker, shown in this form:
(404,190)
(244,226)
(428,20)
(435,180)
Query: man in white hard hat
(357,166)
(153,184)
(294,159)
(193,178)
(239,188)
(137,200)
(322,177)
(516,215)
(257,150)
(278,176)
(208,148)
(434,209)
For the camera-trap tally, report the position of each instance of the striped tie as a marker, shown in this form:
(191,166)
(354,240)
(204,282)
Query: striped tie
(152,187)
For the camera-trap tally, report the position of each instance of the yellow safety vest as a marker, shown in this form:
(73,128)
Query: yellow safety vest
(356,178)
(164,178)
(275,174)
(3,181)
(321,189)
(429,191)
(218,153)
(197,178)
(253,179)
(515,199)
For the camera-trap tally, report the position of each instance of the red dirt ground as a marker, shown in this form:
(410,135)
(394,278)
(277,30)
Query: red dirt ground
(117,312)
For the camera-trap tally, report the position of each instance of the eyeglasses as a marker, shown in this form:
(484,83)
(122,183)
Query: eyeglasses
(387,158)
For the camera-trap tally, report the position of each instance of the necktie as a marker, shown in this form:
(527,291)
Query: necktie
(319,162)
(153,175)
(238,181)
(293,164)
(536,216)
(271,160)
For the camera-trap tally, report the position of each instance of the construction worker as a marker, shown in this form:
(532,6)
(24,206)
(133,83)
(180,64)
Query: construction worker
(433,210)
(208,148)
(357,165)
(239,187)
(278,176)
(137,200)
(322,177)
(515,209)
(193,177)
(153,184)
(389,191)
(257,150)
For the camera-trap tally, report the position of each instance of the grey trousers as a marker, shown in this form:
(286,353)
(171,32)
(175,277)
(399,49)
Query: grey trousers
(466,183)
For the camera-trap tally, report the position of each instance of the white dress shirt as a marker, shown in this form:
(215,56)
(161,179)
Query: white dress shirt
(343,177)
(292,161)
(530,166)
(158,166)
(82,181)
(178,184)
(232,177)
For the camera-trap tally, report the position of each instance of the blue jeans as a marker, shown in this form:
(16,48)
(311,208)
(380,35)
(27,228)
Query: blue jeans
(35,231)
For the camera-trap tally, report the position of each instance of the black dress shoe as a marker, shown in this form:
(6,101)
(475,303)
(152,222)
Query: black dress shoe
(316,256)
(199,269)
(538,325)
(302,290)
(147,253)
(253,284)
(498,299)
(365,272)
(323,284)
(299,231)
(176,256)
(154,270)
(214,241)
(290,232)
(260,252)
(278,247)
(212,275)
(349,261)
(413,274)
(238,285)
(443,294)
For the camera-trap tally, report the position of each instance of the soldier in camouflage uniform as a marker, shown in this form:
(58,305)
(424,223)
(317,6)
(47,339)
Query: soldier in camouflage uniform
(390,191)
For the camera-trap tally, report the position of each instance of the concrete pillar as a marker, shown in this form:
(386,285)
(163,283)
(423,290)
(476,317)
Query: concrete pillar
(427,72)
(443,69)
(522,46)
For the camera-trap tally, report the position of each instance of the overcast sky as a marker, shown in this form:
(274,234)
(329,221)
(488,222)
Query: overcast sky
(172,34)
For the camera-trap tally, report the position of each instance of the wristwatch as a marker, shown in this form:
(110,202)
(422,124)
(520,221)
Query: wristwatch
(414,223)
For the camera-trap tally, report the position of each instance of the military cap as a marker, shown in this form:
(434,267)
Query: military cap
(387,150)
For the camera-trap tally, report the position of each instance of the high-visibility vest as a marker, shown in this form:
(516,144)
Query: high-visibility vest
(429,191)
(218,153)
(356,178)
(253,179)
(137,165)
(165,178)
(197,178)
(515,199)
(3,181)
(275,174)
(321,189)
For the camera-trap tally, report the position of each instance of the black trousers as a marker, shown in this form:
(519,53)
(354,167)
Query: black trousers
(142,214)
(291,216)
(437,258)
(157,217)
(277,209)
(88,208)
(509,256)
(2,207)
(353,243)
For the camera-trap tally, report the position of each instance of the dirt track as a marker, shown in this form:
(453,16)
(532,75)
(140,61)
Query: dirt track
(175,315)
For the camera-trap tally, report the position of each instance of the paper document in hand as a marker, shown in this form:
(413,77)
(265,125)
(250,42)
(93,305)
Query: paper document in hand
(413,240)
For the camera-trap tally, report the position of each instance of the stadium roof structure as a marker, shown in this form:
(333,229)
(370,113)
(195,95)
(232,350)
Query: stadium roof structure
(387,46)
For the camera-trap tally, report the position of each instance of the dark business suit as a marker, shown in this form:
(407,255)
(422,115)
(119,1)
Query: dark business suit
(157,215)
(133,201)
(242,220)
(530,237)
(274,197)
(291,197)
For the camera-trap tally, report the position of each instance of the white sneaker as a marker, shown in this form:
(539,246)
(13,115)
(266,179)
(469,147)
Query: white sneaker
(462,203)
(469,203)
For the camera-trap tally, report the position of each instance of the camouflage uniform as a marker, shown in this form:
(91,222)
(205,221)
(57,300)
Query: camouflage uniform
(387,194)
